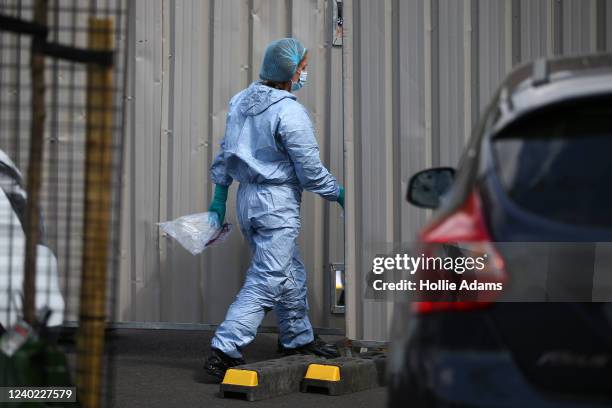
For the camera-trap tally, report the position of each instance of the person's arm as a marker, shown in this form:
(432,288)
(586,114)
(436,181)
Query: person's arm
(219,173)
(298,138)
(222,180)
(218,169)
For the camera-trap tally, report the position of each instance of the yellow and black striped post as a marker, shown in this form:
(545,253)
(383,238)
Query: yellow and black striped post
(92,317)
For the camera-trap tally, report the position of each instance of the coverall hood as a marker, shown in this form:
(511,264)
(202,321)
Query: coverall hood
(259,97)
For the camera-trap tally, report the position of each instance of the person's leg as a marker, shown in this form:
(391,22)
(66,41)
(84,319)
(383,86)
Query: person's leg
(272,238)
(295,330)
(294,326)
(247,311)
(242,319)
(245,314)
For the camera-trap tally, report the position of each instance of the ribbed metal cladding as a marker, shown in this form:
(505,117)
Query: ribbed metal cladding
(186,59)
(426,75)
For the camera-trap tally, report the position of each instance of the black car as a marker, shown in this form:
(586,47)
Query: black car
(536,175)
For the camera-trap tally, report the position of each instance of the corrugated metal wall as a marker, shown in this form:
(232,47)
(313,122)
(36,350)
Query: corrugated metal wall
(187,58)
(417,74)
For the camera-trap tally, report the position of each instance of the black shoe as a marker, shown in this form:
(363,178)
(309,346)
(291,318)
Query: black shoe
(315,348)
(218,363)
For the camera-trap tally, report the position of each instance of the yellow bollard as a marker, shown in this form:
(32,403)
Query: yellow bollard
(92,317)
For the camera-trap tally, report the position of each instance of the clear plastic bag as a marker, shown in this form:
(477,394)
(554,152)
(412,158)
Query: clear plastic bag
(196,232)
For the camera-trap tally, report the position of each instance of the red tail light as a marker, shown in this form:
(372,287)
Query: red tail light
(431,307)
(465,229)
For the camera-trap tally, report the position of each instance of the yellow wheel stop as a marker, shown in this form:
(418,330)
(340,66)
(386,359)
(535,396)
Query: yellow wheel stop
(245,378)
(342,375)
(323,372)
(266,379)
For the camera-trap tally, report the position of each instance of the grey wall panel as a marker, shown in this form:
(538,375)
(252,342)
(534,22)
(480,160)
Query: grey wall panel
(375,123)
(184,158)
(335,156)
(607,29)
(124,280)
(271,20)
(144,132)
(188,58)
(493,60)
(451,80)
(448,58)
(535,24)
(411,100)
(579,26)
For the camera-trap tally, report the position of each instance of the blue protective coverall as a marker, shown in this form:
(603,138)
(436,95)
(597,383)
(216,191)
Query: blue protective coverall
(270,148)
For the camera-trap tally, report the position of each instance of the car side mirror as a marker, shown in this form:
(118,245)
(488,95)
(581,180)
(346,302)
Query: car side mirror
(427,187)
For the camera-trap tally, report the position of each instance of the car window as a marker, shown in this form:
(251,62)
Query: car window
(558,163)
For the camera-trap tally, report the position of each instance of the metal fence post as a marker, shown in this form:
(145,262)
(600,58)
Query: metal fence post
(37,64)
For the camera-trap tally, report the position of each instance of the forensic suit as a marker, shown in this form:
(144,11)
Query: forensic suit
(270,148)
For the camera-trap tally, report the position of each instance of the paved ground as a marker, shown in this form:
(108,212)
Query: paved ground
(163,368)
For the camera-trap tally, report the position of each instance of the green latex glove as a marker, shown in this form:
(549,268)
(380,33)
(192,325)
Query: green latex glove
(341,197)
(218,202)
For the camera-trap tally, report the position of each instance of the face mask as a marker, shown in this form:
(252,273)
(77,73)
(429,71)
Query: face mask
(296,86)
